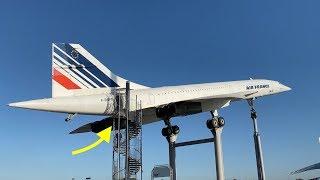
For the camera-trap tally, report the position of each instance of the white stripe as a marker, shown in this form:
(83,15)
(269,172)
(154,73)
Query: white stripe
(75,69)
(117,79)
(65,54)
(97,63)
(80,76)
(68,73)
(84,84)
(85,68)
(95,77)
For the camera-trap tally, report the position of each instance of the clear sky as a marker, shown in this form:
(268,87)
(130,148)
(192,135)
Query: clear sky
(159,43)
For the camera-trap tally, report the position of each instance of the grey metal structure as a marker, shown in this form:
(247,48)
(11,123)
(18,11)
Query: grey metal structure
(218,153)
(195,142)
(257,142)
(171,138)
(216,126)
(127,129)
(127,138)
(218,149)
(161,171)
(171,134)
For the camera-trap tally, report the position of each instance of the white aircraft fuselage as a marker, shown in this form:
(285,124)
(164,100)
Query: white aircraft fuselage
(188,99)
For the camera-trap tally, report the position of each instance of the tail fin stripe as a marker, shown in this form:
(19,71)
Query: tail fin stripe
(63,80)
(81,60)
(81,72)
(74,77)
(79,67)
(67,57)
(88,65)
(77,73)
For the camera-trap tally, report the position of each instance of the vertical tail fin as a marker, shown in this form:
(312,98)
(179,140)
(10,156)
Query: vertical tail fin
(75,70)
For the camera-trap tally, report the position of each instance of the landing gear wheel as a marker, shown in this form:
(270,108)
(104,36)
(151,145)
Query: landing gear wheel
(221,121)
(215,123)
(166,131)
(253,114)
(209,124)
(175,129)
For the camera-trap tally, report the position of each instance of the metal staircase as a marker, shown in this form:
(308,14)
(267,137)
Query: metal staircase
(134,129)
(134,166)
(127,141)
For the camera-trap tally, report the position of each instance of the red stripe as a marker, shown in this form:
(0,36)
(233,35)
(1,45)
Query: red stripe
(63,80)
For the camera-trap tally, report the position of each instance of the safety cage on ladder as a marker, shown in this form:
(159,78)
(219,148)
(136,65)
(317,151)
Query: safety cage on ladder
(127,142)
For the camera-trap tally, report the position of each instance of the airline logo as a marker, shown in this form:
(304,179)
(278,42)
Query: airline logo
(74,71)
(258,86)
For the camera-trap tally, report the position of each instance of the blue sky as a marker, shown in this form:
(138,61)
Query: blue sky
(160,43)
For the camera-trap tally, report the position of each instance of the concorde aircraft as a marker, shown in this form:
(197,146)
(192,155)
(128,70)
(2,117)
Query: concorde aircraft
(83,85)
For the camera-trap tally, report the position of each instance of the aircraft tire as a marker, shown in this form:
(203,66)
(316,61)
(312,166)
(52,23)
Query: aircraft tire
(209,124)
(221,121)
(166,131)
(175,129)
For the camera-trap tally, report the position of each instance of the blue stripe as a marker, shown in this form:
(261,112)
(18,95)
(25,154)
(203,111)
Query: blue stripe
(79,67)
(71,69)
(88,65)
(69,73)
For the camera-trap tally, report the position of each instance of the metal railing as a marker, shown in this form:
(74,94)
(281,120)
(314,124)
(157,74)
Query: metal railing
(127,137)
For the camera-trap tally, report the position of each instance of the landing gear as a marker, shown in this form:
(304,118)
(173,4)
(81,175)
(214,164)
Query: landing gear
(216,125)
(257,141)
(171,134)
(167,131)
(69,117)
(215,122)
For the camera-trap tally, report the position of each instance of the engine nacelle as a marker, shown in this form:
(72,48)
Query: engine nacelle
(188,108)
(166,112)
(178,109)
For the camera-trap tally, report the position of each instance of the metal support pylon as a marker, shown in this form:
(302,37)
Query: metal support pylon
(218,153)
(171,134)
(172,154)
(127,155)
(257,142)
(216,126)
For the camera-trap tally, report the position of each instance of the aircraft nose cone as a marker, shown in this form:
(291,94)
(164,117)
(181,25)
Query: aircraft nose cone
(25,104)
(284,88)
(33,104)
(17,104)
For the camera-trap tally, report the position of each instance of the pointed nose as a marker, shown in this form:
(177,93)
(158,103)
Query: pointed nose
(284,88)
(25,104)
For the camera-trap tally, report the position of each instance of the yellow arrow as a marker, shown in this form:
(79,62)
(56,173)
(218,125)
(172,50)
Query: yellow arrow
(104,135)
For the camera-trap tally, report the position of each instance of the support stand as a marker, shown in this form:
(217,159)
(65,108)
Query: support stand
(127,130)
(216,125)
(171,134)
(257,142)
(218,153)
(172,154)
